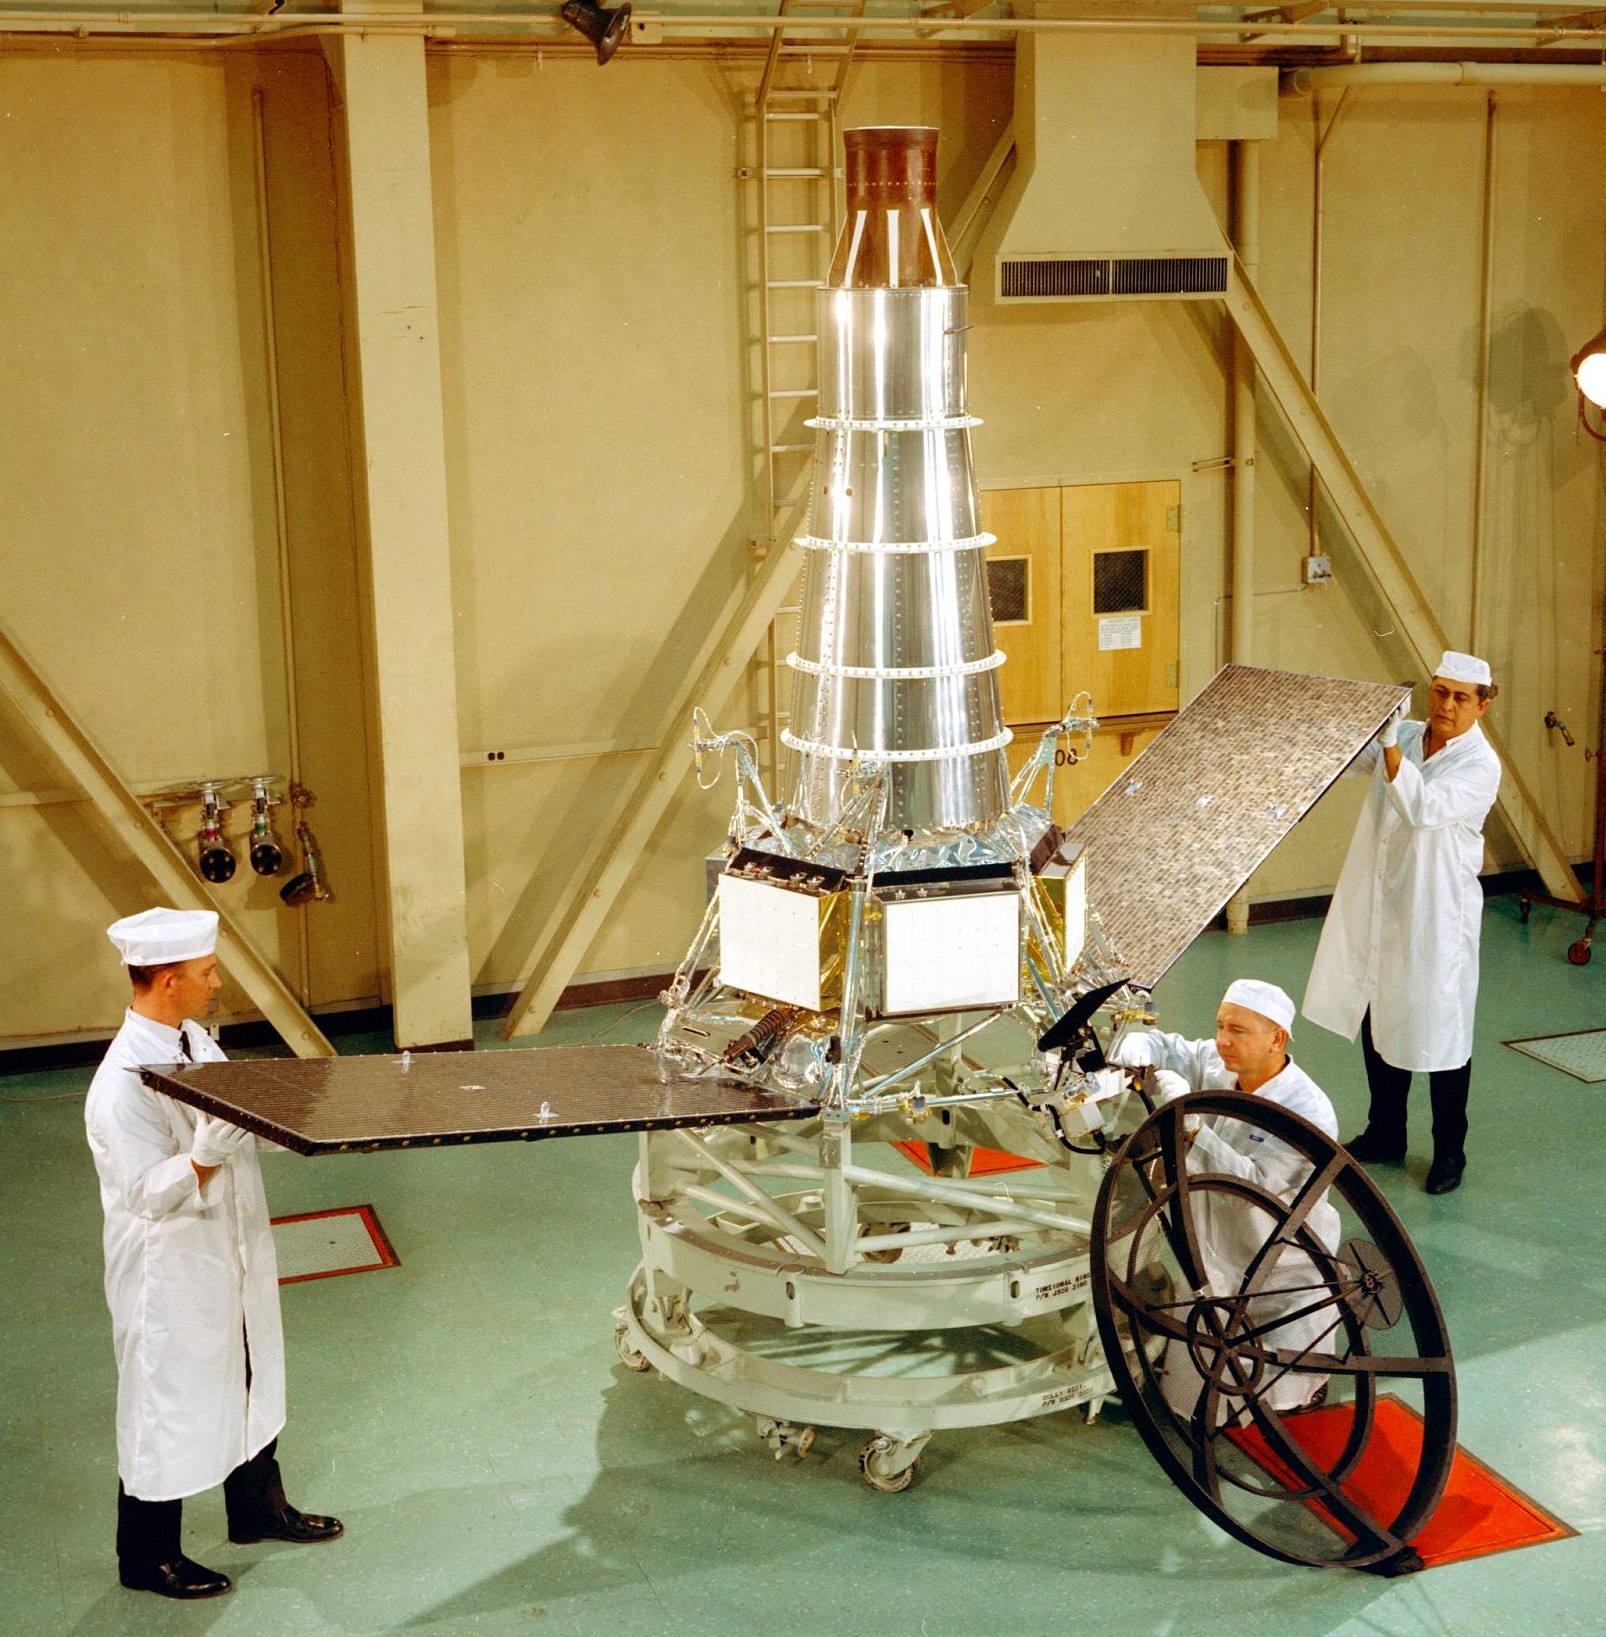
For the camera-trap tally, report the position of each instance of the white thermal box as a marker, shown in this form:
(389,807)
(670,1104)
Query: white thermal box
(1066,880)
(769,940)
(949,953)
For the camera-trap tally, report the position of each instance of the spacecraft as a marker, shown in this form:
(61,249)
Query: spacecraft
(883,1170)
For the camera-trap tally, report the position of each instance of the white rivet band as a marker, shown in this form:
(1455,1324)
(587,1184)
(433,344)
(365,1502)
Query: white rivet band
(951,753)
(919,423)
(969,542)
(895,673)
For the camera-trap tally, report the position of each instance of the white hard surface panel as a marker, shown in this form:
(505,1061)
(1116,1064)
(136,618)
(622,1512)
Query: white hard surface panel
(769,941)
(946,953)
(1583,1056)
(337,1243)
(1075,912)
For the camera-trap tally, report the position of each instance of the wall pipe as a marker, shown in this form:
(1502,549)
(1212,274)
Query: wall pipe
(281,525)
(1480,453)
(1441,73)
(1244,162)
(1318,224)
(84,23)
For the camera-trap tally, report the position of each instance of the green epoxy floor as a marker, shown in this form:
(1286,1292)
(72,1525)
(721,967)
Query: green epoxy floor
(499,1471)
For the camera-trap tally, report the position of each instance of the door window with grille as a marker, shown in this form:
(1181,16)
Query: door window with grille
(1009,590)
(1120,582)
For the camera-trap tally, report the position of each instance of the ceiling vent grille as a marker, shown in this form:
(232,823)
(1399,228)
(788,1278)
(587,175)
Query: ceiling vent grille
(1059,278)
(1025,279)
(1170,276)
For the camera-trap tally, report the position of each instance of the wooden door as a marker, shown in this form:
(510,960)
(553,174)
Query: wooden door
(1120,565)
(1062,564)
(1023,584)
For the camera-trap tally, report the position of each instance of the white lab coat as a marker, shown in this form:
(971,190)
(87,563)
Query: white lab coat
(1401,938)
(191,1279)
(1231,1231)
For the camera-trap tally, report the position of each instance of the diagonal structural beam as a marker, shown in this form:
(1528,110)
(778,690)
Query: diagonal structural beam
(588,895)
(1413,615)
(60,734)
(971,219)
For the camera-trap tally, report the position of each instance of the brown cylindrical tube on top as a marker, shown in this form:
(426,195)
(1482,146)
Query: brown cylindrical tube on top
(891,237)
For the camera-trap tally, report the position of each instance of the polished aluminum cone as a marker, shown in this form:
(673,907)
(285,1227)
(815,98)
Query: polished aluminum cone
(895,662)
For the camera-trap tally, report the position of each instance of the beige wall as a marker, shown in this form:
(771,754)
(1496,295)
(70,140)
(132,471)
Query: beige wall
(140,548)
(594,249)
(1401,305)
(592,306)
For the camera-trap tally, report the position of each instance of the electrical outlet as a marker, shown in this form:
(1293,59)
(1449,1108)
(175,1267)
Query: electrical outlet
(1317,570)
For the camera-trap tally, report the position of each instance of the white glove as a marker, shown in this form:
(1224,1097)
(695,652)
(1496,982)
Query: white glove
(1169,1085)
(1133,1050)
(1388,736)
(215,1141)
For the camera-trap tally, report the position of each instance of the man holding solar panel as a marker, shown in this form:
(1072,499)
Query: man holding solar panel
(1398,957)
(191,1279)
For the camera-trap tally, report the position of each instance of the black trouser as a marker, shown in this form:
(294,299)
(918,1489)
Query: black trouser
(148,1531)
(1391,1086)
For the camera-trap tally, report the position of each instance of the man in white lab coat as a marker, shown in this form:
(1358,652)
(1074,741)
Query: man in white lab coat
(1398,957)
(1249,1053)
(190,1278)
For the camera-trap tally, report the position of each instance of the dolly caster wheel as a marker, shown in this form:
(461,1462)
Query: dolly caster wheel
(628,1355)
(782,1436)
(888,1465)
(1579,952)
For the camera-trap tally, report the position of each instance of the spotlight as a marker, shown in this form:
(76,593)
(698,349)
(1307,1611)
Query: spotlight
(267,857)
(605,29)
(298,890)
(308,887)
(1589,370)
(217,860)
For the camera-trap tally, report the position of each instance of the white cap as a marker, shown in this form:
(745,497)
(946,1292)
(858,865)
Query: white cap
(1456,667)
(1265,998)
(158,937)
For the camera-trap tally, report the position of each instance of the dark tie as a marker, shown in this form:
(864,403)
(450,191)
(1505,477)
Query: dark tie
(184,1045)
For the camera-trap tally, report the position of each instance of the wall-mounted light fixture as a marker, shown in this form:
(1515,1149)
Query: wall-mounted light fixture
(604,28)
(216,856)
(267,857)
(1588,365)
(309,886)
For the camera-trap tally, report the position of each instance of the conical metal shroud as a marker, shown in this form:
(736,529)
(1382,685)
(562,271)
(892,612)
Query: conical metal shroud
(895,662)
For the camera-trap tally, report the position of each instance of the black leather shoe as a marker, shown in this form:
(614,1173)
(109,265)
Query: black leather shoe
(183,1578)
(1316,1401)
(287,1524)
(1370,1149)
(1444,1174)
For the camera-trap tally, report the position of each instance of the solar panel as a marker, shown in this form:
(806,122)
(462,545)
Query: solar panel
(1177,834)
(337,1105)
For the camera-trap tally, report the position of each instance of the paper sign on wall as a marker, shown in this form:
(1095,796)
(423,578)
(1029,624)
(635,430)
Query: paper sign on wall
(1124,631)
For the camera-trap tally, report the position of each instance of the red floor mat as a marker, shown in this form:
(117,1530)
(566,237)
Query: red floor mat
(984,1162)
(322,1244)
(1479,1514)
